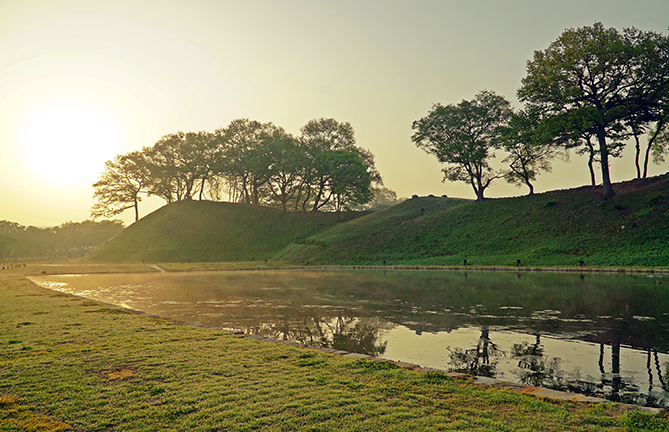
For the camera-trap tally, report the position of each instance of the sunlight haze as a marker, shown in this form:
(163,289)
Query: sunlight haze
(68,144)
(82,81)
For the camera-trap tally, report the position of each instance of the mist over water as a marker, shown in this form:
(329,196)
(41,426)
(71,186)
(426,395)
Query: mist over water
(603,335)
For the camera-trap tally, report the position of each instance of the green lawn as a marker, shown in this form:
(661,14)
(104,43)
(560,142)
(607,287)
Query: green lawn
(67,363)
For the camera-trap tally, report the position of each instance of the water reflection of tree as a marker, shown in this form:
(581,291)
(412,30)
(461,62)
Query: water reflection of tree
(481,360)
(536,369)
(656,398)
(343,332)
(356,336)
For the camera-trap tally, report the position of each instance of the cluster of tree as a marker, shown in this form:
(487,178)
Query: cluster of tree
(253,162)
(382,199)
(71,239)
(594,89)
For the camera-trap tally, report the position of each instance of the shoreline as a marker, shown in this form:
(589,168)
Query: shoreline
(541,392)
(172,267)
(97,366)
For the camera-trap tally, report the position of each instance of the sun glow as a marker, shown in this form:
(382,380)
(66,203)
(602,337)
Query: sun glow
(68,143)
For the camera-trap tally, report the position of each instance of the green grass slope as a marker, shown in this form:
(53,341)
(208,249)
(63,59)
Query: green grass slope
(554,228)
(207,231)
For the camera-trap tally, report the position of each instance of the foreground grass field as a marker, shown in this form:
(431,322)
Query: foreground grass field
(67,363)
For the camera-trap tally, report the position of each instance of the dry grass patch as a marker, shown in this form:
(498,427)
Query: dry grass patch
(118,374)
(16,417)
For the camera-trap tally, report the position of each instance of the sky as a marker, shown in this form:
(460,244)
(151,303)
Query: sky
(83,81)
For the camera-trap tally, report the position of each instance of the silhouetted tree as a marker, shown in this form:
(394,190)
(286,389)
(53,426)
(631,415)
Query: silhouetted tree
(600,75)
(180,163)
(650,114)
(120,184)
(321,137)
(248,158)
(382,198)
(258,163)
(67,240)
(336,172)
(350,180)
(464,136)
(530,148)
(288,159)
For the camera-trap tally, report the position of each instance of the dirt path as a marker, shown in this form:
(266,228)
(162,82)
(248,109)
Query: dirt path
(157,267)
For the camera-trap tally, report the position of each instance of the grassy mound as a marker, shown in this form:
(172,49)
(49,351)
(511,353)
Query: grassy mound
(554,228)
(557,228)
(207,231)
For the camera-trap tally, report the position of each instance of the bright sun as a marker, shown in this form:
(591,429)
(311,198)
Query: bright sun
(69,143)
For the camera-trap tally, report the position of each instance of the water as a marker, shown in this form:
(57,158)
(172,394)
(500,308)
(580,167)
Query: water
(600,335)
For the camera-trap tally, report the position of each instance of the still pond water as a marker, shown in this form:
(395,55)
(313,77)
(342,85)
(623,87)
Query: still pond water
(602,335)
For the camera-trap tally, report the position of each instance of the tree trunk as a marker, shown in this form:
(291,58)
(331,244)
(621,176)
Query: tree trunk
(637,148)
(529,185)
(604,156)
(321,188)
(593,179)
(136,209)
(204,179)
(526,177)
(478,190)
(651,140)
(323,203)
(645,161)
(306,199)
(637,153)
(591,160)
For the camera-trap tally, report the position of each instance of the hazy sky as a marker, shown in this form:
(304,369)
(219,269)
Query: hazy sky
(81,81)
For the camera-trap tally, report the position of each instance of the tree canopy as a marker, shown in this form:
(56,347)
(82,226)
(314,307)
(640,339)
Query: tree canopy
(611,81)
(530,148)
(464,137)
(120,183)
(256,163)
(593,89)
(70,239)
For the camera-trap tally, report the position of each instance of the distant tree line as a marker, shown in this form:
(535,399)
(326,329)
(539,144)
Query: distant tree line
(594,90)
(252,162)
(71,239)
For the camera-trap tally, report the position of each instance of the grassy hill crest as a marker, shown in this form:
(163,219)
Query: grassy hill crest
(553,228)
(208,231)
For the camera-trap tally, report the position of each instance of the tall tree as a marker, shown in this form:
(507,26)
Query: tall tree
(600,74)
(382,199)
(204,154)
(180,164)
(248,157)
(660,148)
(288,158)
(464,137)
(321,137)
(350,180)
(530,148)
(651,100)
(589,149)
(120,184)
